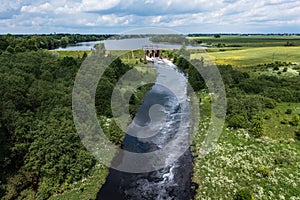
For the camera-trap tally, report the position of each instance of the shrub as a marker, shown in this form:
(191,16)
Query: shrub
(237,121)
(288,111)
(297,134)
(256,129)
(267,116)
(263,171)
(284,121)
(244,194)
(249,87)
(269,103)
(295,120)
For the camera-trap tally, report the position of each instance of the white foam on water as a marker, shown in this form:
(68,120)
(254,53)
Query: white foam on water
(174,135)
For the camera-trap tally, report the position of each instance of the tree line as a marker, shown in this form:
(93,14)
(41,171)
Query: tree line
(22,43)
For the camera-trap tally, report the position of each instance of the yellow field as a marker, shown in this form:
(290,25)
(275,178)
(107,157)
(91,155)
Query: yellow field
(254,56)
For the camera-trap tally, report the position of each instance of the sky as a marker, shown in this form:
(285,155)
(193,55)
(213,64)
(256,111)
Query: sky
(119,16)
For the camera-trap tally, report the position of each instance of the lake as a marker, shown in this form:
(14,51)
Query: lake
(124,44)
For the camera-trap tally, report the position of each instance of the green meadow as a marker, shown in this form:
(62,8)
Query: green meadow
(248,41)
(253,56)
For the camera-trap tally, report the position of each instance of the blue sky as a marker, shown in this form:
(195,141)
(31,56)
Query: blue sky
(116,16)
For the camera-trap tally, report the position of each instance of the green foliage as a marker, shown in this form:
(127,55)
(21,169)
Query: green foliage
(289,111)
(103,103)
(282,158)
(249,87)
(242,109)
(279,89)
(171,39)
(295,121)
(137,98)
(3,44)
(42,151)
(87,188)
(106,86)
(263,171)
(297,134)
(195,79)
(232,77)
(22,43)
(182,63)
(244,194)
(192,70)
(267,117)
(256,128)
(10,49)
(116,135)
(285,121)
(238,121)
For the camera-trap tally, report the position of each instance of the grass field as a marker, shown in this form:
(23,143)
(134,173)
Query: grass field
(248,41)
(254,56)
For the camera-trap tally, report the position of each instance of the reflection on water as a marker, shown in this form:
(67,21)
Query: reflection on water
(80,46)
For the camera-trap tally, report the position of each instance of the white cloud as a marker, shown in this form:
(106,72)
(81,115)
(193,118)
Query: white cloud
(156,20)
(149,1)
(117,15)
(96,5)
(10,5)
(105,20)
(42,8)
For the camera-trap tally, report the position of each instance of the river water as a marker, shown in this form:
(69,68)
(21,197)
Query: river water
(165,106)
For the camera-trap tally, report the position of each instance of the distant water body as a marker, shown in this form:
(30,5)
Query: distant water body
(123,44)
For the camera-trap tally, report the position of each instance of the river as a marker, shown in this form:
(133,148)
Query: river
(168,99)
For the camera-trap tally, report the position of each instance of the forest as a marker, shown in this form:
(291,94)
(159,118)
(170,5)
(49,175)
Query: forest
(22,43)
(41,152)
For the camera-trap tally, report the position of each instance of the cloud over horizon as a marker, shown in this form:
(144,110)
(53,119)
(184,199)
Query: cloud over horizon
(115,16)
